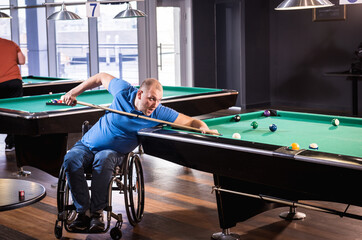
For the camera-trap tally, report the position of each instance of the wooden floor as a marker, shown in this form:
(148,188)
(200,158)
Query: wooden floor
(178,205)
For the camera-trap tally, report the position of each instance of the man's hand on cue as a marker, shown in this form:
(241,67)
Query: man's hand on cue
(209,131)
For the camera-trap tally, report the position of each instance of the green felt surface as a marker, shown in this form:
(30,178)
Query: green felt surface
(302,128)
(35,104)
(169,91)
(38,79)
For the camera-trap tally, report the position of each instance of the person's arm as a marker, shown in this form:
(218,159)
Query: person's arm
(185,120)
(21,58)
(97,80)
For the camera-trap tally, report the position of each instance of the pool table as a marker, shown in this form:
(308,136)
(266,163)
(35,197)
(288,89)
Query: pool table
(36,85)
(262,163)
(41,130)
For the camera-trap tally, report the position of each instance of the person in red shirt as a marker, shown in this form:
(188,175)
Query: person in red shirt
(11,84)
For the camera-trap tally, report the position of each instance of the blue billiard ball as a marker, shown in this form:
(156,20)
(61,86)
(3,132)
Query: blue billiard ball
(273,127)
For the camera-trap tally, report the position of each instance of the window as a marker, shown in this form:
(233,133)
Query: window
(61,48)
(5,31)
(168,45)
(72,45)
(117,41)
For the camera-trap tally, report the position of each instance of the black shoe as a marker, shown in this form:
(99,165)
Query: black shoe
(9,147)
(81,223)
(97,223)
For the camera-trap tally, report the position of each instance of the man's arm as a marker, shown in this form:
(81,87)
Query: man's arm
(92,82)
(21,58)
(185,120)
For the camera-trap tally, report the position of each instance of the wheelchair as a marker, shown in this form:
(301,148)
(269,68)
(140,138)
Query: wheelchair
(127,180)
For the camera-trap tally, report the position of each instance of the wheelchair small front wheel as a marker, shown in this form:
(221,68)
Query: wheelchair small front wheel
(58,231)
(116,233)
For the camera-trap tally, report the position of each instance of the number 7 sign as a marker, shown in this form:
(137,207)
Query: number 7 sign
(92,9)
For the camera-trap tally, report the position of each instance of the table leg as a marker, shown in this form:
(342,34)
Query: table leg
(233,208)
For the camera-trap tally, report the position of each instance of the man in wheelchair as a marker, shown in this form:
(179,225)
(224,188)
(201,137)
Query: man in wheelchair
(102,148)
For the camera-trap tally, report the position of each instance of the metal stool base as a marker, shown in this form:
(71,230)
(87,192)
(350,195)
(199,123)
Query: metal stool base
(225,235)
(292,214)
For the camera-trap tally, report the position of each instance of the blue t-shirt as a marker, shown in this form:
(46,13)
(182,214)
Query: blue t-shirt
(119,132)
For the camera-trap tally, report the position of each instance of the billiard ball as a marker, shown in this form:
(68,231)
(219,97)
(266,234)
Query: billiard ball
(237,118)
(295,146)
(313,146)
(237,135)
(21,193)
(273,127)
(335,122)
(254,125)
(266,113)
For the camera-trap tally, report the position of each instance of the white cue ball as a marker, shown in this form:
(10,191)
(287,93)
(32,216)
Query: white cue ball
(236,135)
(335,122)
(313,146)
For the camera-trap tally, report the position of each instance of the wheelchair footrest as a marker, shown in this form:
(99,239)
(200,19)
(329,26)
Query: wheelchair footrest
(84,231)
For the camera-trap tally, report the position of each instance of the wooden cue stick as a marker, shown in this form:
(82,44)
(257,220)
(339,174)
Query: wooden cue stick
(147,118)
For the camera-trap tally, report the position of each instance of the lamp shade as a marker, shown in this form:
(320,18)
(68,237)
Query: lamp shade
(303,4)
(63,14)
(4,15)
(130,13)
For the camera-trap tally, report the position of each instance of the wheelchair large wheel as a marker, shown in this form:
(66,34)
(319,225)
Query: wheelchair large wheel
(66,209)
(59,223)
(134,191)
(60,190)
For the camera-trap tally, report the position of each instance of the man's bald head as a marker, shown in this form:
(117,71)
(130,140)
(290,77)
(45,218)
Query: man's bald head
(151,82)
